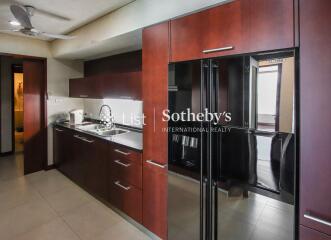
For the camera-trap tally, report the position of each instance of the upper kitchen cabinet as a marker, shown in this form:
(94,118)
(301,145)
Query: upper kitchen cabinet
(83,88)
(271,24)
(186,37)
(225,30)
(117,76)
(241,26)
(315,85)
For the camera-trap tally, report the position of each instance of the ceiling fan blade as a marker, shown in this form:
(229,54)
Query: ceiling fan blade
(21,16)
(57,36)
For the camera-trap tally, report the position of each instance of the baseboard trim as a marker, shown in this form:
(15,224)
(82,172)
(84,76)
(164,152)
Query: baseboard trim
(50,167)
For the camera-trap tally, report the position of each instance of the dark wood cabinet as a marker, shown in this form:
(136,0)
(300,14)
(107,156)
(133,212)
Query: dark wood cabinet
(226,27)
(315,113)
(117,76)
(271,24)
(238,27)
(155,156)
(186,37)
(97,161)
(155,199)
(84,88)
(310,234)
(126,197)
(108,171)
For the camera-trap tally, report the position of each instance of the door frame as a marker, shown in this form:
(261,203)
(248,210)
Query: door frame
(15,68)
(43,114)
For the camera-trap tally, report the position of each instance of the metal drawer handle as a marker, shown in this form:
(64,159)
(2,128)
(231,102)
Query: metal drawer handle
(218,49)
(79,137)
(58,130)
(88,141)
(156,164)
(121,152)
(118,183)
(122,164)
(83,96)
(316,219)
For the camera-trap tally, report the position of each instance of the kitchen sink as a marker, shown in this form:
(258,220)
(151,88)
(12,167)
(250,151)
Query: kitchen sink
(100,130)
(112,132)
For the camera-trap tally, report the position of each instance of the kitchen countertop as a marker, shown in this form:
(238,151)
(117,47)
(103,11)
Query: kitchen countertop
(132,139)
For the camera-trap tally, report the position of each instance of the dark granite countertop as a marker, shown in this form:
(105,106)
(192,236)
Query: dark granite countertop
(132,139)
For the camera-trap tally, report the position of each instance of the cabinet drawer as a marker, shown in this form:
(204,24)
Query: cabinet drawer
(127,198)
(128,171)
(126,155)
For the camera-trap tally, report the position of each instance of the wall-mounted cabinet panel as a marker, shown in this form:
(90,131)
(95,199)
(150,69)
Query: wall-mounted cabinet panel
(115,85)
(226,29)
(315,85)
(186,37)
(271,24)
(241,26)
(84,88)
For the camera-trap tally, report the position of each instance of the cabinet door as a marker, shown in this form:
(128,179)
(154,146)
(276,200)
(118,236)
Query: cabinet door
(310,234)
(315,113)
(155,199)
(271,24)
(96,157)
(63,158)
(155,95)
(122,85)
(225,29)
(85,87)
(186,37)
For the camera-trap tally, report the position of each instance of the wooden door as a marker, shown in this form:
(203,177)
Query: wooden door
(310,234)
(225,30)
(271,24)
(155,97)
(315,114)
(35,157)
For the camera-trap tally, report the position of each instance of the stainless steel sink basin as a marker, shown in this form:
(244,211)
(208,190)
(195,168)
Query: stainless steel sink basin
(111,132)
(100,130)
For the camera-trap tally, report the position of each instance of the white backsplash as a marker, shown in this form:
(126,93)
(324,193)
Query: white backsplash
(126,112)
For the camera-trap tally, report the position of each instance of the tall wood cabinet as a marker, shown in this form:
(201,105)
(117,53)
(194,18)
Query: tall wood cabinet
(155,155)
(315,116)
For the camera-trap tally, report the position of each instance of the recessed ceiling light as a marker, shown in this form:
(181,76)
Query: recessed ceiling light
(14,23)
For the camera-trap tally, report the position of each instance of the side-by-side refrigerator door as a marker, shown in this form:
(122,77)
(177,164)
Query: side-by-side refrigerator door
(185,182)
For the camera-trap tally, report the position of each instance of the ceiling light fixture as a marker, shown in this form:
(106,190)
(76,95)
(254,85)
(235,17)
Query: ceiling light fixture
(14,23)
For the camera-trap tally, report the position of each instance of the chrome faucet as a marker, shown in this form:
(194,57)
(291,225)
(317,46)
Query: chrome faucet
(106,119)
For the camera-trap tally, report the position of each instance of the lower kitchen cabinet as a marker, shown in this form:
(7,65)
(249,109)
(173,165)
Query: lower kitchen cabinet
(310,234)
(108,171)
(126,197)
(155,199)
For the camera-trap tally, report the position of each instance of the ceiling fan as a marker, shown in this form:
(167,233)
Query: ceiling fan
(23,16)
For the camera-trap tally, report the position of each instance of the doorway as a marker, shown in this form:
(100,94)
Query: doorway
(23,126)
(18,108)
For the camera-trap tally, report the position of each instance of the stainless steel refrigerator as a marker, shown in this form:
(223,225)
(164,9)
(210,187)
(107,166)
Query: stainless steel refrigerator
(233,175)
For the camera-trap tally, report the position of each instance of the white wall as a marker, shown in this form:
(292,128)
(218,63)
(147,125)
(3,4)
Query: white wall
(58,74)
(126,112)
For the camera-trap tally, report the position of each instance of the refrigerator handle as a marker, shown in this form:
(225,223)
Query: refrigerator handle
(203,85)
(215,86)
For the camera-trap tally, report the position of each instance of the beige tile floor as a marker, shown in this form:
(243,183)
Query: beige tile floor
(48,206)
